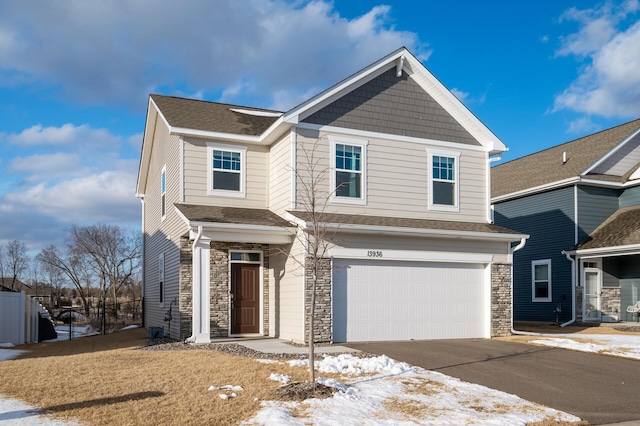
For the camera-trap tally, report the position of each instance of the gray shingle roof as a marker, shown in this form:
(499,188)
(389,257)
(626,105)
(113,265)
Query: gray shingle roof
(406,223)
(546,166)
(621,229)
(231,215)
(212,116)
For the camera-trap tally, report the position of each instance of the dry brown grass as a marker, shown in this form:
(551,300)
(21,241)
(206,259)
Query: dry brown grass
(104,380)
(555,422)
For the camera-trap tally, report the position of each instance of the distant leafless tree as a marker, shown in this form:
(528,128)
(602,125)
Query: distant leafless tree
(17,261)
(113,253)
(71,265)
(52,275)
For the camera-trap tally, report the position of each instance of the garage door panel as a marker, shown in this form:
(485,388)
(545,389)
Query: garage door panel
(377,300)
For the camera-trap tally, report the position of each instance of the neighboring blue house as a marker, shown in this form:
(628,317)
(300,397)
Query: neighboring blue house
(580,202)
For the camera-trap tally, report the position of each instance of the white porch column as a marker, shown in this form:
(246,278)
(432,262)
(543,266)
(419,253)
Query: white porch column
(201,309)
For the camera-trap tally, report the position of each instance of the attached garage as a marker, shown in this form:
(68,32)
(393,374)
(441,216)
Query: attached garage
(376,300)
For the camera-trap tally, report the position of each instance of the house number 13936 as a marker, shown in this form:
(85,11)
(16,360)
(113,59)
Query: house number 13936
(374,253)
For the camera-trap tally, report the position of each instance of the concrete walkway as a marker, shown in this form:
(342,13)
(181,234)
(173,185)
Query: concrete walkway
(278,346)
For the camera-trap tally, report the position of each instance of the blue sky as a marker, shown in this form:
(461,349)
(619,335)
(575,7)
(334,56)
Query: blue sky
(75,76)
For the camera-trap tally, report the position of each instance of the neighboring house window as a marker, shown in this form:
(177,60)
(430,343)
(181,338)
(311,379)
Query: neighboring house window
(161,278)
(541,280)
(348,178)
(226,174)
(444,181)
(163,192)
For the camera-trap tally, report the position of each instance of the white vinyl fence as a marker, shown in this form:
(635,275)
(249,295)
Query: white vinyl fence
(19,317)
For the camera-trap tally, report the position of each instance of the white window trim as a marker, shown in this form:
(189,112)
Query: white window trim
(362,143)
(162,288)
(456,181)
(243,169)
(535,263)
(163,195)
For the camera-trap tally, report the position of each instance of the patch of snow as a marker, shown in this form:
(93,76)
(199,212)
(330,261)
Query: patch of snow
(610,344)
(16,412)
(6,354)
(223,396)
(6,345)
(267,361)
(227,387)
(130,327)
(280,378)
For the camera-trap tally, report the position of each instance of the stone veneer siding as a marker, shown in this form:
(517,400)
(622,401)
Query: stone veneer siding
(610,301)
(219,285)
(500,299)
(322,321)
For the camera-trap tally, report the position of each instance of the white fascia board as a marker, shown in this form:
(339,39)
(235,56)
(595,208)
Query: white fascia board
(244,233)
(440,233)
(145,152)
(607,251)
(383,136)
(611,152)
(344,86)
(411,255)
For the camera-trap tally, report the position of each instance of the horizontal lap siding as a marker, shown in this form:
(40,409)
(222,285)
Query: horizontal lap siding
(595,205)
(630,197)
(280,175)
(162,235)
(196,169)
(398,183)
(549,219)
(290,299)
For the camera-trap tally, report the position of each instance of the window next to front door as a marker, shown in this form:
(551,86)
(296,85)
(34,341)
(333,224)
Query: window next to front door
(541,280)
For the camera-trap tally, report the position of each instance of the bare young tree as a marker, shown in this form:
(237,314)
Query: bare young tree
(71,265)
(17,261)
(53,276)
(312,175)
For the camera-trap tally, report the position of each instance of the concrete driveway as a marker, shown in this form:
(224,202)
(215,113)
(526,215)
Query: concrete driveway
(599,389)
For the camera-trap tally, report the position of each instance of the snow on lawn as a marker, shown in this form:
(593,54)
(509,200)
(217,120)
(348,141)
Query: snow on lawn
(16,412)
(396,393)
(610,344)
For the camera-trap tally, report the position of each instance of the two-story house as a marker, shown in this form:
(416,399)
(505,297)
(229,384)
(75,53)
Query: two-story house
(580,202)
(401,174)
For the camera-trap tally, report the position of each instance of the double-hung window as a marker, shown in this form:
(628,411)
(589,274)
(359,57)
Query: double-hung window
(348,177)
(163,192)
(444,181)
(226,174)
(541,280)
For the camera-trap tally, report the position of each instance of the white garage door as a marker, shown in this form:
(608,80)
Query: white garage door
(389,300)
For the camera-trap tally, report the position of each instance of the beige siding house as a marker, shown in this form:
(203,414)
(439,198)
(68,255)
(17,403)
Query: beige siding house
(401,169)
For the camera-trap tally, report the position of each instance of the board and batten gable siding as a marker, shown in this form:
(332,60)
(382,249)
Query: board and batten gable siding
(595,205)
(196,168)
(548,218)
(393,105)
(630,197)
(280,175)
(162,236)
(397,181)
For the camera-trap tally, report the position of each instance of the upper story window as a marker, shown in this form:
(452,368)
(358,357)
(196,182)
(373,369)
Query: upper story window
(541,280)
(226,175)
(348,180)
(163,192)
(443,181)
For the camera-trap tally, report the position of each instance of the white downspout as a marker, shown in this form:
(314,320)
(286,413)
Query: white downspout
(573,289)
(523,241)
(192,338)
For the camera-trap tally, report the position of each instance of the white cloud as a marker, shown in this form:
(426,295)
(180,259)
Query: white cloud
(609,84)
(461,95)
(43,166)
(65,135)
(582,126)
(118,52)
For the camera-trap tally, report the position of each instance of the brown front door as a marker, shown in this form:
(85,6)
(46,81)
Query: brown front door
(245,298)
